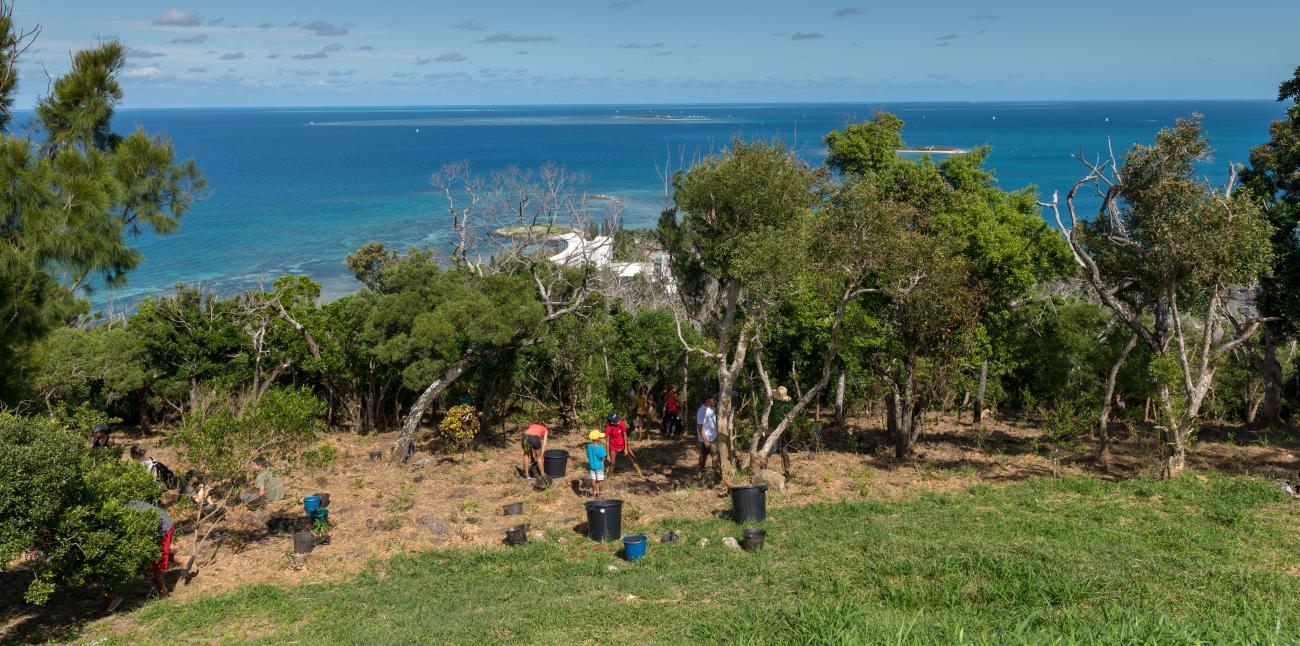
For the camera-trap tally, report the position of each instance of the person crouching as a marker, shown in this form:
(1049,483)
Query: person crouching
(534,445)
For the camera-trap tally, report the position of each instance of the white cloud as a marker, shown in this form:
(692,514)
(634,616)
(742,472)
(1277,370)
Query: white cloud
(146,72)
(179,18)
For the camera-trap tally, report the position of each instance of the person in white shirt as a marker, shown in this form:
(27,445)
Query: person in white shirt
(706,431)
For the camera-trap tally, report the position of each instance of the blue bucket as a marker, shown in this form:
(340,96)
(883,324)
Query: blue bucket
(310,504)
(634,546)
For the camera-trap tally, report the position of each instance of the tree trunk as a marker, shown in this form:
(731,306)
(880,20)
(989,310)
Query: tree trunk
(907,411)
(909,429)
(1103,421)
(727,375)
(839,398)
(425,401)
(891,414)
(978,417)
(1270,411)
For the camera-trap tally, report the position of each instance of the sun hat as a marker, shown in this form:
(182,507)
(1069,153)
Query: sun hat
(782,395)
(595,435)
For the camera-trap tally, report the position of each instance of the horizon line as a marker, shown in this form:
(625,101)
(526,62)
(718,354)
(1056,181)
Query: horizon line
(678,104)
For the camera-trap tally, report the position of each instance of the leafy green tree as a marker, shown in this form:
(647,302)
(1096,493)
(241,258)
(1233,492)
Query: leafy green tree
(369,261)
(1011,248)
(867,147)
(1167,245)
(192,342)
(72,199)
(745,216)
(64,509)
(102,366)
(1274,176)
(436,324)
(955,242)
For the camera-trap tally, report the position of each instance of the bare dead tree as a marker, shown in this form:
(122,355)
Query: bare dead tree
(463,193)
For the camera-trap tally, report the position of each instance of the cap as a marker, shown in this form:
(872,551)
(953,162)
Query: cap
(595,435)
(612,417)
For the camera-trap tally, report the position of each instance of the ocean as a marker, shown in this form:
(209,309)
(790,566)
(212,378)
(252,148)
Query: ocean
(295,190)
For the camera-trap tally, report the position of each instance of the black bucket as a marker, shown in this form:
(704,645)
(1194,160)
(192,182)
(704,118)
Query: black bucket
(753,539)
(555,462)
(749,504)
(303,542)
(513,509)
(605,520)
(517,535)
(324,500)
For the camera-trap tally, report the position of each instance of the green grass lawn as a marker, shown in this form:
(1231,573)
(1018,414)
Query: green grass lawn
(1042,561)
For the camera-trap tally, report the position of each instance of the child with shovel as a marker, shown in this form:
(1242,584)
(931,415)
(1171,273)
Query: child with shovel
(616,431)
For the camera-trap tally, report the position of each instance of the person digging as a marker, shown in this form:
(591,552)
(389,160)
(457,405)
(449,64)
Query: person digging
(534,445)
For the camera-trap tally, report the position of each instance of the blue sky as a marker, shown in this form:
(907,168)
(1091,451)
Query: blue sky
(408,52)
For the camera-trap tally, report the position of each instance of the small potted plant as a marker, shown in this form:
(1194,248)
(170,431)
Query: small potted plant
(320,529)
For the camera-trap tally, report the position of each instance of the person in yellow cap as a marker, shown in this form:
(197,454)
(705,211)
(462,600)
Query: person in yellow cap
(596,453)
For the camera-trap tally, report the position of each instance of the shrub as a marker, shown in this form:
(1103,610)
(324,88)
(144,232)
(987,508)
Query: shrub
(321,457)
(220,441)
(66,509)
(458,428)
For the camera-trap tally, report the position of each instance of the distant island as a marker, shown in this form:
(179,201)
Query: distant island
(932,149)
(663,117)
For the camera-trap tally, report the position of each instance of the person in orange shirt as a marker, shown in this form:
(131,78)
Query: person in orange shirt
(534,445)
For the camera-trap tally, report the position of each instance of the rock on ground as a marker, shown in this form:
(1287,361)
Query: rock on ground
(773,479)
(432,524)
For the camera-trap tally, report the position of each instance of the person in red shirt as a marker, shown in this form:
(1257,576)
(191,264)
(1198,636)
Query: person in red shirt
(616,432)
(672,413)
(534,445)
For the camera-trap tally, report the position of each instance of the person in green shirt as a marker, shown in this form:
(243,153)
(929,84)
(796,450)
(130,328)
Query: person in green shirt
(269,486)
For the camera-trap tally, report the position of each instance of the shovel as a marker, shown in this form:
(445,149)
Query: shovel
(631,457)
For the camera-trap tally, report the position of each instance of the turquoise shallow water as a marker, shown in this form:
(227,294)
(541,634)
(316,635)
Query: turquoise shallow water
(294,190)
